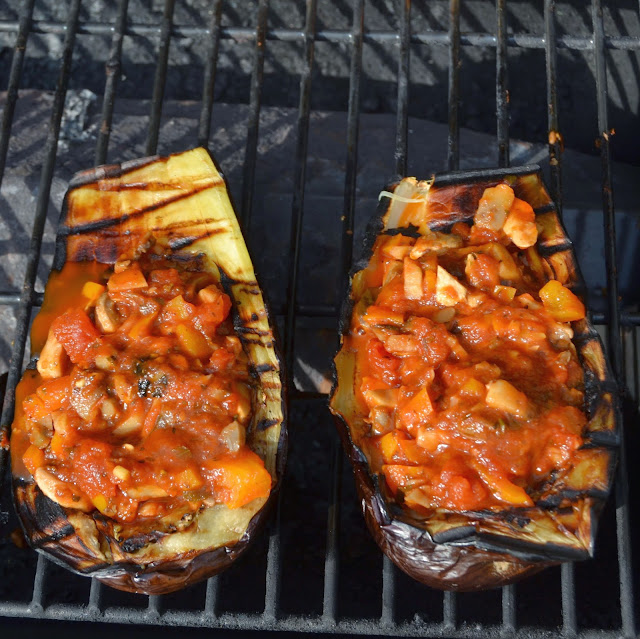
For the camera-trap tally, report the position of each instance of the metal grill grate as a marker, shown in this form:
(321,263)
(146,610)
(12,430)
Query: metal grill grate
(445,614)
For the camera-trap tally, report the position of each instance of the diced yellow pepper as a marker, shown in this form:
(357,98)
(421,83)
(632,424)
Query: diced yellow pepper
(193,341)
(100,502)
(388,446)
(92,290)
(179,307)
(561,303)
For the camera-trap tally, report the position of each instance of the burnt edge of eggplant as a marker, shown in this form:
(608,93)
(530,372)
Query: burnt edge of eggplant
(46,524)
(475,552)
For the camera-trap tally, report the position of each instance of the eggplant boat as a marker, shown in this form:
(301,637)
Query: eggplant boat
(149,437)
(472,394)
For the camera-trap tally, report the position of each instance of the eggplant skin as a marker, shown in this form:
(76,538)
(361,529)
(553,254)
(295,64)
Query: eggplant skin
(111,212)
(471,551)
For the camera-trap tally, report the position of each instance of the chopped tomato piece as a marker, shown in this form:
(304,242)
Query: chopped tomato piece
(417,410)
(214,311)
(383,364)
(221,359)
(482,271)
(54,393)
(400,476)
(77,334)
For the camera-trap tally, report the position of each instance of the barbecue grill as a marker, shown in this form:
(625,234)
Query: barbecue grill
(304,181)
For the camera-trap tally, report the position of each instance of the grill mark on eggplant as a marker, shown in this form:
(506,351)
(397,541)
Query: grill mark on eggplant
(98,225)
(113,185)
(407,231)
(110,171)
(252,331)
(547,208)
(265,424)
(263,368)
(546,250)
(183,242)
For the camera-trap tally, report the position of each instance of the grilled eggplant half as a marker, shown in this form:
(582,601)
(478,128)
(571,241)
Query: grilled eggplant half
(149,437)
(472,395)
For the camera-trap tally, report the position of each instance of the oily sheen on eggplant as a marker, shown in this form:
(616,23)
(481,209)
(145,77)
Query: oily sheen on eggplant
(180,203)
(468,551)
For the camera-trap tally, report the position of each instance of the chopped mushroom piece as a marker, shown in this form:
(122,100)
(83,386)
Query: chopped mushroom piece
(504,396)
(61,492)
(448,290)
(434,242)
(493,207)
(106,315)
(520,225)
(53,359)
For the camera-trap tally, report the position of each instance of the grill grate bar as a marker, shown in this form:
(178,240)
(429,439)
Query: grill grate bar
(614,336)
(353,127)
(387,618)
(331,564)
(154,607)
(472,39)
(10,299)
(14,81)
(331,560)
(112,71)
(554,140)
(502,130)
(297,210)
(502,93)
(95,596)
(636,366)
(404,54)
(449,610)
(253,121)
(453,141)
(567,571)
(291,623)
(297,205)
(568,596)
(160,78)
(509,609)
(44,189)
(204,126)
(211,597)
(272,576)
(36,606)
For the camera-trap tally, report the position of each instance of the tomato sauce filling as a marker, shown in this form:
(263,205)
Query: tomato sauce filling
(466,374)
(142,398)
